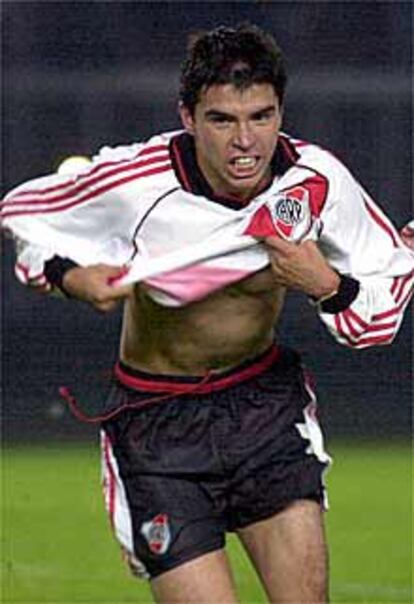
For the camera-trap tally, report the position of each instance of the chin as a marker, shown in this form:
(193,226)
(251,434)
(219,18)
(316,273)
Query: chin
(244,187)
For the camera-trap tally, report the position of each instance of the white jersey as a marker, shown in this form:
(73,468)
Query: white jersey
(148,207)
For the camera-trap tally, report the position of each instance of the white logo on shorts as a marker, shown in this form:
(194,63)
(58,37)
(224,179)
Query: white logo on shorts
(157,533)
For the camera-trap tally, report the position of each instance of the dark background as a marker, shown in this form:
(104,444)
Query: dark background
(78,75)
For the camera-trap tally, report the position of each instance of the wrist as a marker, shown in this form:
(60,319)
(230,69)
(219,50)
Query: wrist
(329,288)
(56,270)
(339,299)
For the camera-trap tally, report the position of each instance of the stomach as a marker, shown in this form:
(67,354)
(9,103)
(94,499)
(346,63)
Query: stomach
(216,333)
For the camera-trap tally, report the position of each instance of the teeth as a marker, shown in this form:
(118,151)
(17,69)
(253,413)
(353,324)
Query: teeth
(245,161)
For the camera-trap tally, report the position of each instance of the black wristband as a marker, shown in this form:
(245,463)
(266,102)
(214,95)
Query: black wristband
(347,292)
(55,270)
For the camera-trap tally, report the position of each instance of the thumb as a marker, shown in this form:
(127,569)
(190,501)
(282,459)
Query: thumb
(121,291)
(114,280)
(114,272)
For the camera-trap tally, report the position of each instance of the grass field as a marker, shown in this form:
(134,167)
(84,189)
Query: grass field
(57,546)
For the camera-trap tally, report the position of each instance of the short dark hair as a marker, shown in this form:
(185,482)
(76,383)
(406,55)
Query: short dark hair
(241,56)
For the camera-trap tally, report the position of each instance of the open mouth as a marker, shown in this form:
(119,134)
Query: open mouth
(245,165)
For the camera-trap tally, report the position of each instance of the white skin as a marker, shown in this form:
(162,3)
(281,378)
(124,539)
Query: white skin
(235,134)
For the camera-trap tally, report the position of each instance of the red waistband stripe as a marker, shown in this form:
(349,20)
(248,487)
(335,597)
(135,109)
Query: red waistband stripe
(211,382)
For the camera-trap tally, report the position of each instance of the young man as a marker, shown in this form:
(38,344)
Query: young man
(211,425)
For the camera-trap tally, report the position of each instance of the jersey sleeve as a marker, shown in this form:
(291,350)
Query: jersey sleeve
(88,217)
(359,241)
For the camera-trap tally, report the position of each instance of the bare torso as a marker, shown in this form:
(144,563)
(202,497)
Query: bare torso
(216,333)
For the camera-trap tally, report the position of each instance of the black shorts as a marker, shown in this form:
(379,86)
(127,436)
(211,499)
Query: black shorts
(186,460)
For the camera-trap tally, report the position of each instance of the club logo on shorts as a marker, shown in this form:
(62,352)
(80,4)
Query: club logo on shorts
(157,533)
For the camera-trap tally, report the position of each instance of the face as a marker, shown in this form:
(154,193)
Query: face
(235,134)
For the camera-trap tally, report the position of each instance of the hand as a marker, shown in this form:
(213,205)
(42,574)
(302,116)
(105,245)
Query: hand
(93,284)
(407,234)
(301,266)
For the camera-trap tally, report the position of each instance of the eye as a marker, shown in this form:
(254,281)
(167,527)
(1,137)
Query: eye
(263,117)
(220,119)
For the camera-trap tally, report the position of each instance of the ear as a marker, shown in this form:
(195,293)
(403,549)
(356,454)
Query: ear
(187,118)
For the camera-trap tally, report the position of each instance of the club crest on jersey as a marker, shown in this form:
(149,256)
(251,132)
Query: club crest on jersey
(289,210)
(286,214)
(157,534)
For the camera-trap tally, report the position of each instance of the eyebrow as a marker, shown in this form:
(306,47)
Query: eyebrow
(219,113)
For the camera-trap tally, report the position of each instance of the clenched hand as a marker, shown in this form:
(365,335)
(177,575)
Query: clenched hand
(93,284)
(301,266)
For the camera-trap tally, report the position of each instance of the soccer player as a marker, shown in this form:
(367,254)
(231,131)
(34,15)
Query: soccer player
(211,425)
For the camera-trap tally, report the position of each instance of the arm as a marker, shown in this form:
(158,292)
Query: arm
(88,217)
(360,272)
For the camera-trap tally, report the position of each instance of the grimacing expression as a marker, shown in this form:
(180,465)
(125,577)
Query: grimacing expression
(235,134)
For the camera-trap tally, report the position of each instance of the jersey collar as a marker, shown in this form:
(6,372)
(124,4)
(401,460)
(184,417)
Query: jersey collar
(185,165)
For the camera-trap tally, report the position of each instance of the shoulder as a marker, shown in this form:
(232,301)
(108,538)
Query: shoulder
(159,143)
(147,163)
(316,158)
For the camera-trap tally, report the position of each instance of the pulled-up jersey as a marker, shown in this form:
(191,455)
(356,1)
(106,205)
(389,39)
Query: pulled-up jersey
(147,206)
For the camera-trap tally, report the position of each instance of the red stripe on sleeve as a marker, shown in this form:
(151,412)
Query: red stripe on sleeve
(338,325)
(73,188)
(351,328)
(378,340)
(93,170)
(381,222)
(25,270)
(402,283)
(352,315)
(104,189)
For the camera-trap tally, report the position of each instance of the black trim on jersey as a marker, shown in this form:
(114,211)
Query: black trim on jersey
(184,162)
(57,267)
(148,212)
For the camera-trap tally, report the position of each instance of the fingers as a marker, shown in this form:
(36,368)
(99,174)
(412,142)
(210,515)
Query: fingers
(407,234)
(285,249)
(301,266)
(279,244)
(93,284)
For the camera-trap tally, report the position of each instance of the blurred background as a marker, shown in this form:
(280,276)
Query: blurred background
(79,75)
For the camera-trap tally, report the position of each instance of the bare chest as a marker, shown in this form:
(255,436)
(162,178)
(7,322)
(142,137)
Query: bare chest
(259,284)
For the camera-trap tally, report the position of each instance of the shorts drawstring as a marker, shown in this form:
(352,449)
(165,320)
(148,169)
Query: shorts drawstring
(74,407)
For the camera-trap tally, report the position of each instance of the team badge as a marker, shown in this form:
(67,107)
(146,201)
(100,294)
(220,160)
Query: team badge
(291,213)
(286,214)
(157,533)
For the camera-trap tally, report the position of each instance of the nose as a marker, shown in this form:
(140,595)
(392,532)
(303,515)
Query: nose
(244,137)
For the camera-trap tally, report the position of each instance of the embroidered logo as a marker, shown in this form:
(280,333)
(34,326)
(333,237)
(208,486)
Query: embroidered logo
(290,209)
(287,214)
(157,533)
